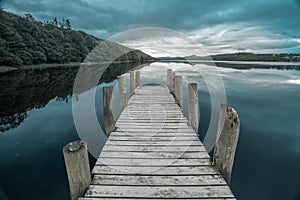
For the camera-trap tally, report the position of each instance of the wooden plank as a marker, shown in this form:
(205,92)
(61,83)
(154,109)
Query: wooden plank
(149,120)
(173,125)
(161,133)
(131,180)
(152,162)
(153,148)
(167,155)
(149,198)
(170,192)
(154,143)
(154,126)
(154,170)
(147,138)
(154,130)
(146,134)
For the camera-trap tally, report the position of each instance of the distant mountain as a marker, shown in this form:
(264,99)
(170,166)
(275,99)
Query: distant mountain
(24,41)
(239,57)
(258,57)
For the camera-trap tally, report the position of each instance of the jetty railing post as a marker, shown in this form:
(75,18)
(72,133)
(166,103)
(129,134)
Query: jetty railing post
(109,120)
(137,79)
(169,78)
(122,91)
(227,142)
(78,168)
(131,74)
(193,108)
(178,90)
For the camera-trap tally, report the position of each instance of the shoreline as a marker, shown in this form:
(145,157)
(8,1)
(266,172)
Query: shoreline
(218,63)
(6,69)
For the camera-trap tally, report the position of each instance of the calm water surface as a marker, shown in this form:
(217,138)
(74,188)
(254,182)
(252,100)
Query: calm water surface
(36,122)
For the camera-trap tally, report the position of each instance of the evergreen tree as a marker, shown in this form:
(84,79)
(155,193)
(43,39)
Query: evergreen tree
(68,24)
(55,22)
(29,17)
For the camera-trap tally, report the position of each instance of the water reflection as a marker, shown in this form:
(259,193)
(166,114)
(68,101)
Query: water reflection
(267,102)
(24,90)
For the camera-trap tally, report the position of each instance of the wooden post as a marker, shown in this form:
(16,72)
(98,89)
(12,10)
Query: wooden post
(78,168)
(226,143)
(109,120)
(193,108)
(172,84)
(131,83)
(122,91)
(137,79)
(178,90)
(169,78)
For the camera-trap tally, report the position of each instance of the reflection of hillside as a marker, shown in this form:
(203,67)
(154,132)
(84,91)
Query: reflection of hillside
(23,90)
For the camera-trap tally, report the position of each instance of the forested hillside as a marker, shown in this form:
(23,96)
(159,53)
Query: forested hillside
(24,41)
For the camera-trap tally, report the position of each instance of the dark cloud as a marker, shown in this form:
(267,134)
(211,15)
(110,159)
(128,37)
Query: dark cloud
(277,19)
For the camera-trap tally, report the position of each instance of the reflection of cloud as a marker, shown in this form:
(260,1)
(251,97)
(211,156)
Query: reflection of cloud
(294,81)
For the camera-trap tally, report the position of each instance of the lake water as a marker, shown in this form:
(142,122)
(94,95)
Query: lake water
(36,122)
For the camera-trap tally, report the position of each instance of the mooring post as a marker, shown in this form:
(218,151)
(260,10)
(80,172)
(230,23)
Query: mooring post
(122,91)
(227,142)
(78,168)
(178,89)
(173,83)
(193,108)
(169,78)
(137,79)
(109,120)
(131,82)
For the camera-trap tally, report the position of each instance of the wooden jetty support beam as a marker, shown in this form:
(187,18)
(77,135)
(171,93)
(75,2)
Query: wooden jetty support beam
(227,141)
(193,107)
(109,120)
(78,168)
(137,79)
(178,90)
(131,75)
(122,91)
(155,152)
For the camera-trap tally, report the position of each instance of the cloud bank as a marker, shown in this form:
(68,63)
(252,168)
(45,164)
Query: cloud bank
(268,26)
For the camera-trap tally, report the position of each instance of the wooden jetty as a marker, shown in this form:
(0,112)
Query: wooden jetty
(153,150)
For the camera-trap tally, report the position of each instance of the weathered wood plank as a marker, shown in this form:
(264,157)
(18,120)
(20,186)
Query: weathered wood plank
(170,192)
(152,162)
(149,138)
(142,180)
(153,148)
(153,130)
(201,153)
(164,171)
(154,143)
(149,198)
(158,134)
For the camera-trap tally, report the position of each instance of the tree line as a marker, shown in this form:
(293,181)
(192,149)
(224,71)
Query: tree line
(26,41)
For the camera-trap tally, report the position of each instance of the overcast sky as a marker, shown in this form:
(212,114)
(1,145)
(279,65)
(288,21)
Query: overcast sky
(220,26)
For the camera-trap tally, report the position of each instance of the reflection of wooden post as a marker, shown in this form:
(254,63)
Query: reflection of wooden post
(137,79)
(78,168)
(122,91)
(193,108)
(227,142)
(131,83)
(169,78)
(178,90)
(109,121)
